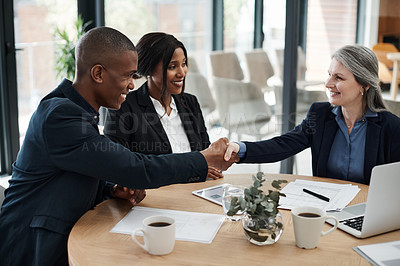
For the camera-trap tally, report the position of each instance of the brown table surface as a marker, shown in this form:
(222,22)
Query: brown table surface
(91,243)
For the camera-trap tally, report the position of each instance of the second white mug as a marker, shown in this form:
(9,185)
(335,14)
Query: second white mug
(308,223)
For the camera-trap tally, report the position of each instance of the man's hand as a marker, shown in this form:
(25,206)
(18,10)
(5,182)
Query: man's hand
(214,155)
(214,173)
(233,148)
(133,195)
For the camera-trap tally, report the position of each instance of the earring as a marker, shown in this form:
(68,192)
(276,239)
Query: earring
(362,93)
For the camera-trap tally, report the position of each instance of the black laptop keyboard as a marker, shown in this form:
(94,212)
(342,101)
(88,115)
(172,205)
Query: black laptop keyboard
(355,222)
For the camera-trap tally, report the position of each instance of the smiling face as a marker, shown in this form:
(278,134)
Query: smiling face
(344,89)
(176,72)
(117,80)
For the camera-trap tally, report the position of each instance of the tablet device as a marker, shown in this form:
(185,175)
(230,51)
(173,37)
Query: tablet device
(213,194)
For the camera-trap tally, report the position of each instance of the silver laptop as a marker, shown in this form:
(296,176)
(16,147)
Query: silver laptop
(381,212)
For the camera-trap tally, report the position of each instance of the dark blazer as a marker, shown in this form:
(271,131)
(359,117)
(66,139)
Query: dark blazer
(137,126)
(60,174)
(318,130)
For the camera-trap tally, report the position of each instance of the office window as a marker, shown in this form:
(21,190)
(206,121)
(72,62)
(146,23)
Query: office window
(2,149)
(331,25)
(274,29)
(188,20)
(35,24)
(239,25)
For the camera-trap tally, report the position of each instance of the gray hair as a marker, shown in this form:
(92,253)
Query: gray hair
(363,64)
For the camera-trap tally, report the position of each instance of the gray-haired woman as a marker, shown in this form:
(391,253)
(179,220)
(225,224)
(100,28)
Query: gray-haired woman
(349,135)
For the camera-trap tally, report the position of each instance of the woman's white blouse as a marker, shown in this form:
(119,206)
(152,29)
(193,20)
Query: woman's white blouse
(173,126)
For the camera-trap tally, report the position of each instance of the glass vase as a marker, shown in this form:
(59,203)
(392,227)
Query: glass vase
(263,230)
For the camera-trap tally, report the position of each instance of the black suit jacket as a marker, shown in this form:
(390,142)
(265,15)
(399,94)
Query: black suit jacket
(137,126)
(318,130)
(60,174)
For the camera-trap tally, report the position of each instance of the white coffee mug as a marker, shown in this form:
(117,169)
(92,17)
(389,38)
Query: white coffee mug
(308,223)
(158,233)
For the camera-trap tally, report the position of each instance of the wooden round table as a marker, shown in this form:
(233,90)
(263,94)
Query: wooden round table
(91,243)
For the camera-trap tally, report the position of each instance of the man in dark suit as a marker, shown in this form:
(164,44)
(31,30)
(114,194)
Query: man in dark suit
(62,167)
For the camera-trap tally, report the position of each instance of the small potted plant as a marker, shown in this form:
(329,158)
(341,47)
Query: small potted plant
(65,49)
(262,222)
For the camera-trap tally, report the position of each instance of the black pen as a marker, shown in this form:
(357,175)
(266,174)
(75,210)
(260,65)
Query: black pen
(316,194)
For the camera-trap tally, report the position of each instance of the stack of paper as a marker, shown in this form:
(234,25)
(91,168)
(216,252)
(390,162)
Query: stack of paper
(189,226)
(387,253)
(339,195)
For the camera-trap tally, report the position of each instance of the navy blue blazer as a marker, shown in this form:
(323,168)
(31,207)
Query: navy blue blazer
(136,124)
(60,174)
(318,130)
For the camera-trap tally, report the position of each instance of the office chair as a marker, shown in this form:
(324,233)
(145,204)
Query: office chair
(192,65)
(259,68)
(381,50)
(393,106)
(385,71)
(242,108)
(196,84)
(225,65)
(305,97)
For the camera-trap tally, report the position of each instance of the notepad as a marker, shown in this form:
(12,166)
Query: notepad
(190,226)
(387,253)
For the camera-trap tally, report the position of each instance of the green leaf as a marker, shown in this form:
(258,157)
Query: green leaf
(254,191)
(277,183)
(253,207)
(260,175)
(260,209)
(257,201)
(274,195)
(269,207)
(243,204)
(65,50)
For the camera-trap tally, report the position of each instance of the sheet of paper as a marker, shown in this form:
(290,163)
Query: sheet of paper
(387,253)
(190,226)
(339,194)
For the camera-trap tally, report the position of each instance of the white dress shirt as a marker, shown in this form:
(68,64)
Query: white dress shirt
(173,126)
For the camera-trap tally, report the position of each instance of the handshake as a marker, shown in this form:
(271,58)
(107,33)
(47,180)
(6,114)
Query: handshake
(221,154)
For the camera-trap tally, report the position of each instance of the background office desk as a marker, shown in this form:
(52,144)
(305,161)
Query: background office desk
(91,243)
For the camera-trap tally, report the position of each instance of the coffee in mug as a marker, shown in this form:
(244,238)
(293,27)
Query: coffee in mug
(158,235)
(159,224)
(308,223)
(309,215)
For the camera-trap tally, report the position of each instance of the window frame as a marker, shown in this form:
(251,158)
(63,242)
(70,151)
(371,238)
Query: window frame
(9,133)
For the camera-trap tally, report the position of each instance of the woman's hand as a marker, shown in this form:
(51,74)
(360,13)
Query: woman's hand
(233,147)
(214,173)
(133,195)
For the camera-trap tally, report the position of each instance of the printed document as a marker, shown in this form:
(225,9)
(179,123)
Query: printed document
(189,226)
(339,195)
